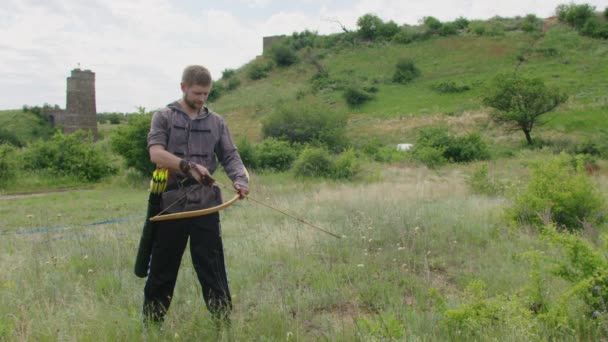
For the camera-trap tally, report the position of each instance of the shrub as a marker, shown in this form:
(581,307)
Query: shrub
(314,162)
(274,154)
(466,148)
(432,23)
(228,73)
(346,165)
(461,23)
(388,30)
(480,182)
(217,90)
(233,83)
(307,122)
(247,153)
(283,55)
(448,29)
(356,97)
(8,167)
(70,155)
(259,70)
(405,71)
(564,193)
(8,137)
(531,23)
(450,87)
(303,39)
(435,146)
(130,141)
(382,153)
(583,265)
(575,15)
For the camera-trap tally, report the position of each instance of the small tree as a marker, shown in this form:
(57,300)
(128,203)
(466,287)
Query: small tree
(520,101)
(369,25)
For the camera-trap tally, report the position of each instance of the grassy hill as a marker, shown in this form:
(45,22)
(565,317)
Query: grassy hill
(561,57)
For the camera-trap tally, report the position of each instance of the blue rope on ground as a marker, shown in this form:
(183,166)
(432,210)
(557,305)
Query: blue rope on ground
(56,229)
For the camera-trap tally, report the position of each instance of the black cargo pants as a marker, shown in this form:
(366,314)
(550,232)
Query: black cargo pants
(207,254)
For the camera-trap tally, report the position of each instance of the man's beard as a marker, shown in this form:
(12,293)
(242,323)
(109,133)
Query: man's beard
(192,104)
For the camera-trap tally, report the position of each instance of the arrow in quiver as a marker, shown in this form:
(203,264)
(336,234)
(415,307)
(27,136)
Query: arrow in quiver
(158,184)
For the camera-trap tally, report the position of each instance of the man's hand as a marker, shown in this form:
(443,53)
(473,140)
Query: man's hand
(201,174)
(241,190)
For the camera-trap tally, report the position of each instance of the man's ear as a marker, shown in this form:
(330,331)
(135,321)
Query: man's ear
(183,86)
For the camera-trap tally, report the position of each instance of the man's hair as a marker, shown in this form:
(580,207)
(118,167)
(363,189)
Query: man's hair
(196,75)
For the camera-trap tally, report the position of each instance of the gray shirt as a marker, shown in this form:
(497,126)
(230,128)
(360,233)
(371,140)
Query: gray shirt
(203,140)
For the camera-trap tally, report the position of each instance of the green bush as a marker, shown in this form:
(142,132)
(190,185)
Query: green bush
(429,155)
(405,71)
(259,70)
(8,166)
(450,87)
(274,154)
(346,165)
(228,73)
(432,23)
(461,23)
(467,148)
(388,30)
(531,23)
(283,55)
(481,183)
(314,162)
(130,141)
(233,83)
(356,97)
(584,266)
(307,122)
(247,153)
(448,29)
(8,137)
(575,15)
(559,192)
(70,155)
(435,146)
(380,152)
(217,90)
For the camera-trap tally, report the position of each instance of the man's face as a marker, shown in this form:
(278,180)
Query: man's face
(195,96)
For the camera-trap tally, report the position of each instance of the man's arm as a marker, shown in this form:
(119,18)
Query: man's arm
(165,159)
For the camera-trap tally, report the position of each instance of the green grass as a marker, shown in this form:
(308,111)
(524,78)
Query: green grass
(409,250)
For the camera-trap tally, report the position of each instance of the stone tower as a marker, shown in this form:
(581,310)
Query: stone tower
(80,111)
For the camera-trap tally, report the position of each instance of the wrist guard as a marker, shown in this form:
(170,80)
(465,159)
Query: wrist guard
(184,166)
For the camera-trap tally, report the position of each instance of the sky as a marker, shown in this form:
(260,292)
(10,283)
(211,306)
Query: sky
(138,48)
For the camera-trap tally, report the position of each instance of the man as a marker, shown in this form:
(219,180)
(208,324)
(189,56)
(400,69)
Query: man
(186,137)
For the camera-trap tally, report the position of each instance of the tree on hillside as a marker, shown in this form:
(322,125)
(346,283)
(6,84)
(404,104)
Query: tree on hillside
(369,24)
(520,101)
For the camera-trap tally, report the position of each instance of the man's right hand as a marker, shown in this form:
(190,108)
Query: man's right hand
(201,174)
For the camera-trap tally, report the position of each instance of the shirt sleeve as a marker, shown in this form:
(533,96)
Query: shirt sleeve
(159,130)
(229,157)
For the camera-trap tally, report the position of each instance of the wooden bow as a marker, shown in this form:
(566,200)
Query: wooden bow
(195,213)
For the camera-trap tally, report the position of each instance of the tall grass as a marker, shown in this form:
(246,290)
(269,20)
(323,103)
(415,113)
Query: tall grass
(410,246)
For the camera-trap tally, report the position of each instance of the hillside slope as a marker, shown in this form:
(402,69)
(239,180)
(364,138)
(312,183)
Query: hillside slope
(561,57)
